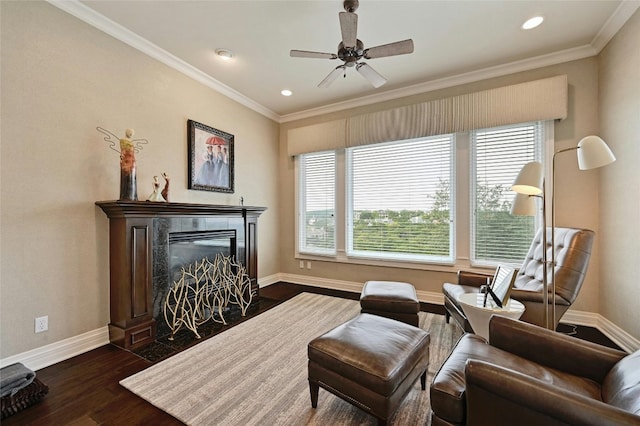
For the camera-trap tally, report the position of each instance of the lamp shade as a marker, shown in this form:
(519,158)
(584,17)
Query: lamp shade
(593,152)
(524,205)
(530,179)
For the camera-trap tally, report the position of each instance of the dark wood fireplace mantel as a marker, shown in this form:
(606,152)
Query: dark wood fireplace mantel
(146,208)
(137,230)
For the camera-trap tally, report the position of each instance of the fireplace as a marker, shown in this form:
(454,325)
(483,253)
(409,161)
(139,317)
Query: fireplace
(150,242)
(184,249)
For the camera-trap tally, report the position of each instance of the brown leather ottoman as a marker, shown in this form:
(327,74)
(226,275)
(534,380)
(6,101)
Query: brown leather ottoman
(391,299)
(371,362)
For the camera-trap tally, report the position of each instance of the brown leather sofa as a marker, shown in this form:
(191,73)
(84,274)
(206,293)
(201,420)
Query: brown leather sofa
(573,251)
(528,375)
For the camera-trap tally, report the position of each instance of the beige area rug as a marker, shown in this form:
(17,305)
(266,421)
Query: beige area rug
(256,372)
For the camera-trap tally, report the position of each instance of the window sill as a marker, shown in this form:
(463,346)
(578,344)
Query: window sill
(459,264)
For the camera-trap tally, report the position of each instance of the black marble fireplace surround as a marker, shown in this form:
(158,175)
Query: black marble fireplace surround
(174,249)
(148,245)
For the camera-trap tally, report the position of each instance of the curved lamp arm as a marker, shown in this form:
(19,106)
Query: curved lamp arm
(592,153)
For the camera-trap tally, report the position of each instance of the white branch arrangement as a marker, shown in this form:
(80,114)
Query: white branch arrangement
(204,292)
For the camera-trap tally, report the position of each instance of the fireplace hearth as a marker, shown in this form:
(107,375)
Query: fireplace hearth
(148,245)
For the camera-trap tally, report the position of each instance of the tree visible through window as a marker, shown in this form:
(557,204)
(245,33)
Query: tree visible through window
(316,223)
(400,204)
(498,156)
(399,198)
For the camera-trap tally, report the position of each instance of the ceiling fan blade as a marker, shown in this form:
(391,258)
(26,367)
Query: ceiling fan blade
(349,28)
(307,54)
(332,76)
(398,48)
(370,74)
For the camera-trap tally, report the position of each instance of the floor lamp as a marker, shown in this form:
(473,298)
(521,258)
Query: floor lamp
(528,186)
(592,153)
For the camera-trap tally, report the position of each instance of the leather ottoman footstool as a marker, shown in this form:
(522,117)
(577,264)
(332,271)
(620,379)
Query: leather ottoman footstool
(371,362)
(391,299)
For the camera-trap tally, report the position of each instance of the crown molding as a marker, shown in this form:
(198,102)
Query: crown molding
(106,25)
(456,80)
(624,11)
(619,17)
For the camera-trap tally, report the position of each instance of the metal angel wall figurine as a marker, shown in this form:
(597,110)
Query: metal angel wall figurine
(128,150)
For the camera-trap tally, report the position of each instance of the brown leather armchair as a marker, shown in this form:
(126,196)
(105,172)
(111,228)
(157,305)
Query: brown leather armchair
(572,252)
(528,375)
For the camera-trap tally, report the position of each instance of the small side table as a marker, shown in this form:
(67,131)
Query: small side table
(479,315)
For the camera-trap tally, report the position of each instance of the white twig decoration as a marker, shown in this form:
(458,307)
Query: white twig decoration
(204,292)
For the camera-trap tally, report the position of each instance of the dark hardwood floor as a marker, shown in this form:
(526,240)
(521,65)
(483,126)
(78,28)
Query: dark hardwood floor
(85,389)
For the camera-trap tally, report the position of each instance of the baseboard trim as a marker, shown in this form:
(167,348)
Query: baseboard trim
(268,280)
(588,319)
(618,335)
(53,353)
(321,282)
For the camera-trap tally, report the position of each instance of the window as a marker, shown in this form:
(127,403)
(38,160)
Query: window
(399,200)
(497,156)
(439,200)
(316,220)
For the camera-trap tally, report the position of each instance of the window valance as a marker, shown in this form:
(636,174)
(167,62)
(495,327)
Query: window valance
(317,137)
(538,100)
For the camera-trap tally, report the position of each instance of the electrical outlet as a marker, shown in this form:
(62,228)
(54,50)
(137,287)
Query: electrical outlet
(308,264)
(42,324)
(302,264)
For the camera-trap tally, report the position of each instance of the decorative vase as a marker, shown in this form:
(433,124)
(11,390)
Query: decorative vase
(128,184)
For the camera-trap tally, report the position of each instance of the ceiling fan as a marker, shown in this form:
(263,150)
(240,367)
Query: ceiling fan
(351,50)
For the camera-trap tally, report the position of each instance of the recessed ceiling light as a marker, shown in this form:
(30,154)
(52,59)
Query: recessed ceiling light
(225,54)
(532,23)
(286,92)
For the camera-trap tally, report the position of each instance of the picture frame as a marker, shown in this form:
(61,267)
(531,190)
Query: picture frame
(502,283)
(210,157)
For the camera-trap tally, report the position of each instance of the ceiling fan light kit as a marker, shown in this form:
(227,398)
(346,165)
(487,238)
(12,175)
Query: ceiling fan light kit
(351,50)
(370,74)
(332,76)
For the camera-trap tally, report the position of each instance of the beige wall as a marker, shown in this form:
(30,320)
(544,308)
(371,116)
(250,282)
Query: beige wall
(575,207)
(60,79)
(619,195)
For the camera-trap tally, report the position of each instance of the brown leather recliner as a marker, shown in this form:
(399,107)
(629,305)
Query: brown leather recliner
(528,375)
(572,252)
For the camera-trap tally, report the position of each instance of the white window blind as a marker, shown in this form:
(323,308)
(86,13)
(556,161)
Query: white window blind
(498,154)
(400,200)
(316,221)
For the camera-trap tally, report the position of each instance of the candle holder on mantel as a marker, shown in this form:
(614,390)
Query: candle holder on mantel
(128,150)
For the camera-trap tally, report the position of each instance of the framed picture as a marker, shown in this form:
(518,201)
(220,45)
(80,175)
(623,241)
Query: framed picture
(502,284)
(210,158)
